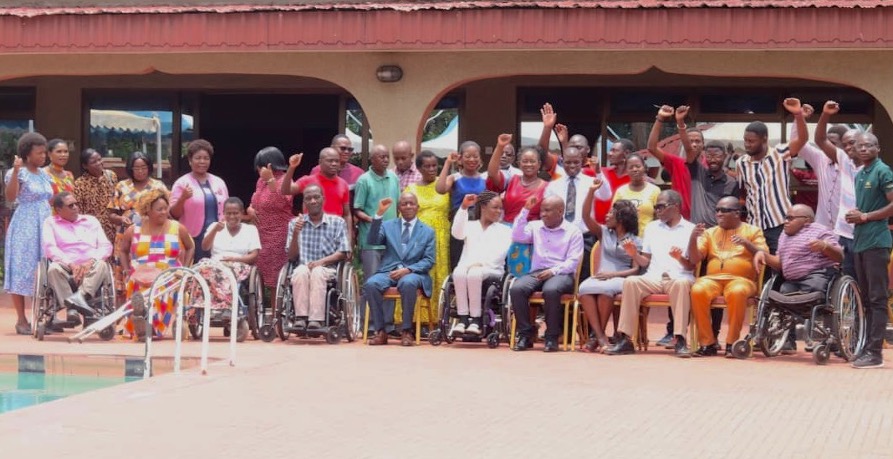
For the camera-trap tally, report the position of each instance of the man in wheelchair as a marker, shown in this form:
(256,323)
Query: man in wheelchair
(808,253)
(76,248)
(317,241)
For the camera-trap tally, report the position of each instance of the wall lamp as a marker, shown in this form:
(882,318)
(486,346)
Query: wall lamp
(389,73)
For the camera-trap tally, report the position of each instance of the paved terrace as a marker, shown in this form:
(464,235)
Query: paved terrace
(308,399)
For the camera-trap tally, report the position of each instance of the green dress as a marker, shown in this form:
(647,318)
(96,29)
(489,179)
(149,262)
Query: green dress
(434,211)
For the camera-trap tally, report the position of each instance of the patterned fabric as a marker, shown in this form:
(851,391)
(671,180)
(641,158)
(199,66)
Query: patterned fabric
(94,195)
(767,183)
(60,184)
(22,250)
(519,258)
(218,283)
(434,211)
(274,211)
(160,251)
(516,195)
(645,200)
(797,260)
(319,241)
(123,202)
(408,177)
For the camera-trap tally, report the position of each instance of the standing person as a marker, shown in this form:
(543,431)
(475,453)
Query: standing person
(826,172)
(95,189)
(615,173)
(434,211)
(507,161)
(197,198)
(680,175)
(271,212)
(335,188)
(639,191)
(122,208)
(63,180)
(843,154)
(30,187)
(404,164)
(376,184)
(468,180)
(872,243)
(341,144)
(518,190)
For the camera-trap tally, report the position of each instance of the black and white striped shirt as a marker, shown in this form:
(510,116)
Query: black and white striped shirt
(767,183)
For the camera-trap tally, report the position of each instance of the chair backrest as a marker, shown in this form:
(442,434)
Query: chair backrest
(595,257)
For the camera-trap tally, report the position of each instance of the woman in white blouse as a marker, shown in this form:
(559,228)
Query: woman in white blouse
(487,243)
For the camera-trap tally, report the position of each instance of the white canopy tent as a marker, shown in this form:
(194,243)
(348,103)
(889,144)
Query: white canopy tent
(119,120)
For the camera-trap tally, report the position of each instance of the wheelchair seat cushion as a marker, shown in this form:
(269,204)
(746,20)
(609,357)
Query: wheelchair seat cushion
(797,298)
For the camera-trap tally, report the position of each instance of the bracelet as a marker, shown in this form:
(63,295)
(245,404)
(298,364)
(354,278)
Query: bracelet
(681,126)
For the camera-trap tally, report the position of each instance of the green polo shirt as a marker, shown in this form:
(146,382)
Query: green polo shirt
(370,189)
(873,183)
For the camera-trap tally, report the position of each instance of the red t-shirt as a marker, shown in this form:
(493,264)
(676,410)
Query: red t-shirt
(602,207)
(681,180)
(335,191)
(515,197)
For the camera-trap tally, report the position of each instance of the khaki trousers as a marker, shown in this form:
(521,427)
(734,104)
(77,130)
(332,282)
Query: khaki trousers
(309,289)
(58,277)
(635,288)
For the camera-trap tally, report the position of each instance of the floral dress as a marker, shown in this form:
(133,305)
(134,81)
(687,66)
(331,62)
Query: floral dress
(274,211)
(160,251)
(434,211)
(22,250)
(124,201)
(94,196)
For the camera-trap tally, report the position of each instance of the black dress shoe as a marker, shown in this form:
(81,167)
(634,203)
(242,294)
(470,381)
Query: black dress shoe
(624,346)
(551,345)
(522,344)
(681,349)
(729,354)
(705,351)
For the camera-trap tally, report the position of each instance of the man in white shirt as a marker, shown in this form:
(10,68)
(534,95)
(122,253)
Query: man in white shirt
(669,270)
(572,187)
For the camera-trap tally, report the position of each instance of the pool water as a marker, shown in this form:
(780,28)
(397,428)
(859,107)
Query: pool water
(23,389)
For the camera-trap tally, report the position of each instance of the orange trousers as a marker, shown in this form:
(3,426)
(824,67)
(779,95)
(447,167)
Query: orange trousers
(736,293)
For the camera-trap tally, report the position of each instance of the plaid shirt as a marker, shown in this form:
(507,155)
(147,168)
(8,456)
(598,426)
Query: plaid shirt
(320,241)
(408,177)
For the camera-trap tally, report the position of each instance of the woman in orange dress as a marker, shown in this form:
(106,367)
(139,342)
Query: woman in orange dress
(63,180)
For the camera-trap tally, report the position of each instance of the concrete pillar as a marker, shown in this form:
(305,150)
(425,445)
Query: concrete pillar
(59,107)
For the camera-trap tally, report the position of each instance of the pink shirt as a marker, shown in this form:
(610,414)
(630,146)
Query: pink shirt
(75,242)
(194,209)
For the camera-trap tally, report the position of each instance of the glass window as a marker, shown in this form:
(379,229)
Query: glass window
(120,133)
(355,125)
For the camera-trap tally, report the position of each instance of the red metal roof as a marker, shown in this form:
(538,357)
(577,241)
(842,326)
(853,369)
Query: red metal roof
(31,8)
(481,29)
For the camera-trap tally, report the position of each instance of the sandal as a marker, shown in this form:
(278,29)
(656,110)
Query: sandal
(23,329)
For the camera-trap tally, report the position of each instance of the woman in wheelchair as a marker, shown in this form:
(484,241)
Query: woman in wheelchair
(486,245)
(597,293)
(234,244)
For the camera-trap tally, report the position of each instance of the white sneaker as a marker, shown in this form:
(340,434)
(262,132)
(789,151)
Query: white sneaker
(473,329)
(458,329)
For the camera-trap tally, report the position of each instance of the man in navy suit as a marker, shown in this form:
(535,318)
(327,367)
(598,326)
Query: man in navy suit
(408,256)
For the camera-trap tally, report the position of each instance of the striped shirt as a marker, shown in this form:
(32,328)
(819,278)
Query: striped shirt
(797,260)
(319,241)
(767,184)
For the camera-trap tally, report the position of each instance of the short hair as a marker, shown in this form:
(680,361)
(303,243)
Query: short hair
(422,156)
(838,129)
(339,137)
(128,167)
(234,200)
(86,154)
(627,144)
(635,155)
(150,197)
(466,145)
(198,145)
(758,128)
(59,199)
(485,197)
(673,197)
(53,143)
(27,142)
(715,144)
(627,215)
(540,153)
(317,187)
(272,156)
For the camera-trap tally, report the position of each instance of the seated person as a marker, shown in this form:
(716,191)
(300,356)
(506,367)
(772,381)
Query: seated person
(557,250)
(668,270)
(234,244)
(486,245)
(407,258)
(808,253)
(76,247)
(597,292)
(317,241)
(729,249)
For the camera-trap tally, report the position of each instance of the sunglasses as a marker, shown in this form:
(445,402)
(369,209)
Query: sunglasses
(726,210)
(662,206)
(790,218)
(349,149)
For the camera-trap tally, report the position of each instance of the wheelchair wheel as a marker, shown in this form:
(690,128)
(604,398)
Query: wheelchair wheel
(196,326)
(42,302)
(241,330)
(493,340)
(256,309)
(821,354)
(107,333)
(349,302)
(773,331)
(446,307)
(849,317)
(41,332)
(742,349)
(281,306)
(435,338)
(267,334)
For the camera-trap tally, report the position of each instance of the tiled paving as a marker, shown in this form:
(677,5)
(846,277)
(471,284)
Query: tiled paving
(309,399)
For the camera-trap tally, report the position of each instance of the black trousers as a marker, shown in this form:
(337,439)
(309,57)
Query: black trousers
(552,289)
(871,275)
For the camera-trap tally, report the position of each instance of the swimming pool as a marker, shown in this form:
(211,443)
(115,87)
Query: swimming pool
(23,389)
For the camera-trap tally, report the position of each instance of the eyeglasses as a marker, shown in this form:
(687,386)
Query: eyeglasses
(662,206)
(726,210)
(790,218)
(348,149)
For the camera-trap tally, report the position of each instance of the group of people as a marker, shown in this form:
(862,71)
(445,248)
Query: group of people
(535,213)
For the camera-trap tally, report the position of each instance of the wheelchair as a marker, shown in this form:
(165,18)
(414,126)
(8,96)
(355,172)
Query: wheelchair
(342,301)
(45,304)
(834,320)
(251,307)
(494,313)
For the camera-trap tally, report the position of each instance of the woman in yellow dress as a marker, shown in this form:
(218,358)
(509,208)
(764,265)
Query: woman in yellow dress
(434,211)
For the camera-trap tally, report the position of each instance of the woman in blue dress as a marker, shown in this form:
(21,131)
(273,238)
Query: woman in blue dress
(468,180)
(31,188)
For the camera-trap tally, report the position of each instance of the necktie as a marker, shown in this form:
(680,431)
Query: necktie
(404,237)
(570,204)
